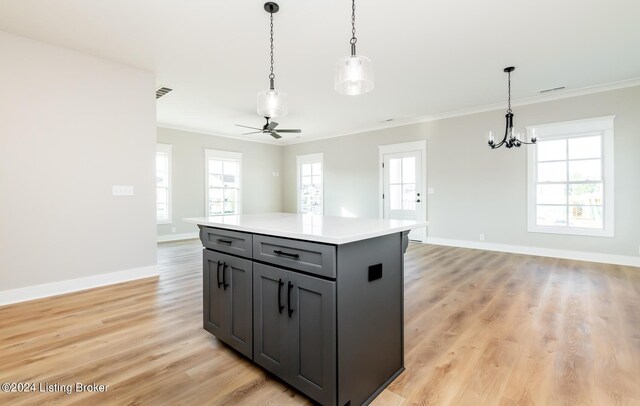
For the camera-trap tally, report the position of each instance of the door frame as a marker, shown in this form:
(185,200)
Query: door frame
(403,147)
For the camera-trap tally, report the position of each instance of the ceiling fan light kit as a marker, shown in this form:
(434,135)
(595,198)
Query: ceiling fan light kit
(513,136)
(353,73)
(272,103)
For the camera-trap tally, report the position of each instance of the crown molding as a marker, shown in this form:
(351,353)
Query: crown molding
(563,94)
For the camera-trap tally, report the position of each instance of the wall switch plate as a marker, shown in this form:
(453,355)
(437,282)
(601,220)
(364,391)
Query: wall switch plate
(122,191)
(431,191)
(173,229)
(482,238)
(275,173)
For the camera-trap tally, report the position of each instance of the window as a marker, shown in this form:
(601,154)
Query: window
(310,191)
(571,178)
(163,184)
(223,195)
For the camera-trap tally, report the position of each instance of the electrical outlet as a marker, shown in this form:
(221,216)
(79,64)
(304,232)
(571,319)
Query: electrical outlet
(431,191)
(275,173)
(173,229)
(482,237)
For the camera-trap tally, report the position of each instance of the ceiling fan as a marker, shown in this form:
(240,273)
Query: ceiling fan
(270,128)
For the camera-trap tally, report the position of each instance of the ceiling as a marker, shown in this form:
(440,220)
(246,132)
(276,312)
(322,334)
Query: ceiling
(429,57)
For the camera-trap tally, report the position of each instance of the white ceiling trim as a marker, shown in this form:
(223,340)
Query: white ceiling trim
(564,94)
(206,132)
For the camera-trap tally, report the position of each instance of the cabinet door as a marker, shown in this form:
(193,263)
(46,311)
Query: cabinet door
(237,287)
(312,337)
(270,318)
(214,299)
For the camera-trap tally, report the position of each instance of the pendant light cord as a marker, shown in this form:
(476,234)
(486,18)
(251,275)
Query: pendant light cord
(353,23)
(271,75)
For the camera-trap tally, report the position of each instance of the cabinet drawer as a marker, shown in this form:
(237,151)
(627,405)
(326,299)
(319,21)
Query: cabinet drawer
(318,259)
(231,242)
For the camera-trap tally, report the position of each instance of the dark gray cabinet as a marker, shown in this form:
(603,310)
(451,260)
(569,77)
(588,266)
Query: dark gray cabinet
(327,319)
(227,289)
(295,329)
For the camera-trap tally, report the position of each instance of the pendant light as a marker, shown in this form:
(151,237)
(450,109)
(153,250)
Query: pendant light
(354,73)
(513,136)
(272,102)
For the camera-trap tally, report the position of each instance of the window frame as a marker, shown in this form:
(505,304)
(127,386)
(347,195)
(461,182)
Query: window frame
(602,126)
(165,149)
(222,155)
(309,159)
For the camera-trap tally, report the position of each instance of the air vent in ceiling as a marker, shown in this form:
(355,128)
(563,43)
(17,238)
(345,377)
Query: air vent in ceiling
(162,91)
(553,89)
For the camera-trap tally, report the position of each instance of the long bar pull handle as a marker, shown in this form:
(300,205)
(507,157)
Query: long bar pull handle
(280,305)
(286,254)
(218,273)
(289,309)
(224,276)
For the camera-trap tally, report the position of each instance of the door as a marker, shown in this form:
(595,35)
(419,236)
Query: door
(214,305)
(311,310)
(270,318)
(227,291)
(403,197)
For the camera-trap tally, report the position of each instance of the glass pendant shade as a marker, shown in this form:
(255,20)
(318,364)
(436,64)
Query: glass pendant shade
(354,75)
(272,103)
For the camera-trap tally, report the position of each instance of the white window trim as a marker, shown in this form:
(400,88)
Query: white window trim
(213,153)
(568,129)
(166,148)
(304,159)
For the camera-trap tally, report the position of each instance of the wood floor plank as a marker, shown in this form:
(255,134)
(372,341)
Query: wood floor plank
(481,328)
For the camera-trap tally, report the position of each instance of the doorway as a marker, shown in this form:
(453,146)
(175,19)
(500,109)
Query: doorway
(403,184)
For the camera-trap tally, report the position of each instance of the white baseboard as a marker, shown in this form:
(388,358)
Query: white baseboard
(177,237)
(74,285)
(539,251)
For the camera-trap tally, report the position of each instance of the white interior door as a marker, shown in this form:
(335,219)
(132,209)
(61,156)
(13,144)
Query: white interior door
(403,198)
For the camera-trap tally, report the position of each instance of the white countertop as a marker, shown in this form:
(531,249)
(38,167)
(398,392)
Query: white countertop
(310,227)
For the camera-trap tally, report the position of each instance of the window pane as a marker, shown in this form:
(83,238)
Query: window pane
(316,169)
(552,194)
(306,169)
(230,195)
(161,195)
(552,172)
(409,196)
(585,170)
(554,150)
(395,170)
(551,215)
(215,208)
(230,207)
(585,216)
(215,180)
(216,195)
(215,166)
(230,167)
(317,180)
(586,193)
(395,198)
(161,212)
(229,180)
(585,147)
(409,169)
(161,162)
(306,180)
(162,179)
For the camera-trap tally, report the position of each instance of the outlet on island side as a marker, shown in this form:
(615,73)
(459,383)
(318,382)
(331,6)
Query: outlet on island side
(482,237)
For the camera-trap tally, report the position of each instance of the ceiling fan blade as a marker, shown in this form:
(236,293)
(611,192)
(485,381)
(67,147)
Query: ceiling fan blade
(254,132)
(271,126)
(246,126)
(290,130)
(275,135)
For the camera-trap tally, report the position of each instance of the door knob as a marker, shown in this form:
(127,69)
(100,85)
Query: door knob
(418,201)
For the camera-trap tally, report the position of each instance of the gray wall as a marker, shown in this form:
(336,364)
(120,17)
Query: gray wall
(73,126)
(460,165)
(261,191)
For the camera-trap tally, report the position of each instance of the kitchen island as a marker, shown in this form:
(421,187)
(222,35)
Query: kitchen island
(315,300)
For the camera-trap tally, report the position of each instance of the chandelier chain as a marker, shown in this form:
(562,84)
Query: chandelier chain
(353,23)
(509,92)
(271,75)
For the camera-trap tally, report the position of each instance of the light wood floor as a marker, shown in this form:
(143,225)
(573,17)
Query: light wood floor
(481,328)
